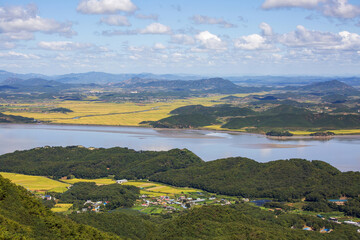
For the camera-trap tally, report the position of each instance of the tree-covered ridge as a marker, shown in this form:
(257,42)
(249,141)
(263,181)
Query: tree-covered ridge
(282,179)
(4,118)
(306,121)
(238,221)
(22,216)
(115,195)
(96,163)
(282,116)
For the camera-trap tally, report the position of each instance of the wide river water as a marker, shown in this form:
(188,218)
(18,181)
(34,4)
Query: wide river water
(342,152)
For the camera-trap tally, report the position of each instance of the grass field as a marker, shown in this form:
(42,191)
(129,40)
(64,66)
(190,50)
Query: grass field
(99,181)
(61,207)
(100,113)
(337,132)
(158,189)
(36,183)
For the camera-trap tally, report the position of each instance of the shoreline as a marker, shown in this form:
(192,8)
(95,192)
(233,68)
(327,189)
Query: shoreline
(197,129)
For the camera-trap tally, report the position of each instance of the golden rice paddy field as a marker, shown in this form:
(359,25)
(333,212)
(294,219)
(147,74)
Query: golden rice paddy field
(61,207)
(100,113)
(158,189)
(36,183)
(99,181)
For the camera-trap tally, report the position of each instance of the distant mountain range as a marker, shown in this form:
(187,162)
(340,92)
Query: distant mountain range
(106,78)
(95,77)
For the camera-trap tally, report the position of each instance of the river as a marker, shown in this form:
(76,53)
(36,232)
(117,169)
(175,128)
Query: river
(343,152)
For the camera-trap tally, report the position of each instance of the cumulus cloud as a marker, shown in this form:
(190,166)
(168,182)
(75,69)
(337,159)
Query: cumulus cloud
(266,29)
(19,22)
(182,39)
(210,41)
(105,6)
(200,19)
(159,46)
(115,20)
(252,42)
(17,55)
(268,4)
(155,28)
(323,41)
(154,17)
(257,41)
(63,45)
(329,8)
(340,9)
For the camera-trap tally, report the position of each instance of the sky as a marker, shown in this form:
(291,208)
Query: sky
(204,37)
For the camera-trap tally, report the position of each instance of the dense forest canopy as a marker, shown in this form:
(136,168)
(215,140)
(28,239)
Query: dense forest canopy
(282,179)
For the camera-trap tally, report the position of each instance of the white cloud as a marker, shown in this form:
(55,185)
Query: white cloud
(200,19)
(340,9)
(182,39)
(115,20)
(252,42)
(329,8)
(17,55)
(63,45)
(155,28)
(210,41)
(159,46)
(323,41)
(154,17)
(268,4)
(266,29)
(303,37)
(20,22)
(105,6)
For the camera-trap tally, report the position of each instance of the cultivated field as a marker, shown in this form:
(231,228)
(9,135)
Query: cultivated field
(61,207)
(99,181)
(158,189)
(36,183)
(100,113)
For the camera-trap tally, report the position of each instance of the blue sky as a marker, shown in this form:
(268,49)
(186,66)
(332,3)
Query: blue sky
(206,37)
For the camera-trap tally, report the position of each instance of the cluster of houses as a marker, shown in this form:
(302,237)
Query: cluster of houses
(93,206)
(173,204)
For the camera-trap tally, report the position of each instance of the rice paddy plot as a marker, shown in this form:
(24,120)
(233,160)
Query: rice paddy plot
(98,181)
(61,207)
(158,189)
(36,183)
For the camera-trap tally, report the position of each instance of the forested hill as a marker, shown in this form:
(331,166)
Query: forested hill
(95,163)
(282,179)
(15,119)
(24,217)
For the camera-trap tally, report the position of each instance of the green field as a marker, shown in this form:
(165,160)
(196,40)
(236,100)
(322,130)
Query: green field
(36,183)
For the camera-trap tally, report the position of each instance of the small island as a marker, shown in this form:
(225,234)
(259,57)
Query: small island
(276,133)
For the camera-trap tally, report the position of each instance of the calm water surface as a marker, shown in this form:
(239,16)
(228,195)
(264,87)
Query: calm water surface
(341,152)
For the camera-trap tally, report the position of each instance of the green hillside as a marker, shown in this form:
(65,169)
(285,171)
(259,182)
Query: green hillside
(24,217)
(282,179)
(15,119)
(86,163)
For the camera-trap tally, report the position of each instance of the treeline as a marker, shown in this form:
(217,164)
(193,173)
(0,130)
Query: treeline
(22,216)
(238,221)
(282,116)
(285,180)
(85,163)
(4,118)
(115,194)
